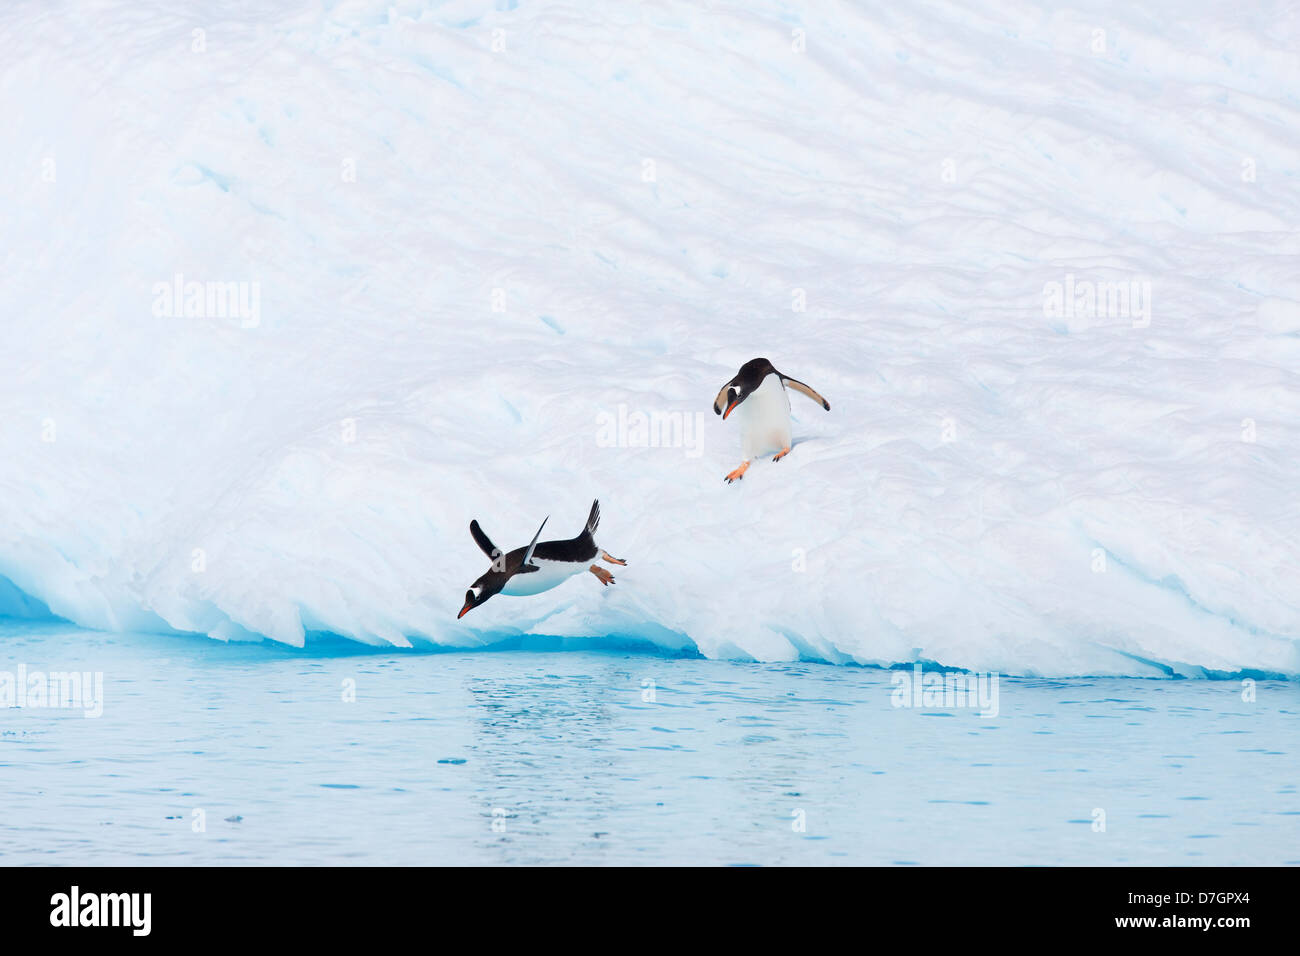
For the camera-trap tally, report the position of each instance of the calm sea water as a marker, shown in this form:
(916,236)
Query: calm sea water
(604,757)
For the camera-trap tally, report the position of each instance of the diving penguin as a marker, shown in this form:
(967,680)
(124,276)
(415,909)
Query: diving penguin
(759,390)
(538,567)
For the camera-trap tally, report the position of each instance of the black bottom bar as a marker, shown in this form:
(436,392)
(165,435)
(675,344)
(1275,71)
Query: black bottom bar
(332,905)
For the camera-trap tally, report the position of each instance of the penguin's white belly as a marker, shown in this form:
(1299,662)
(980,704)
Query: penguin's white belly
(551,573)
(765,419)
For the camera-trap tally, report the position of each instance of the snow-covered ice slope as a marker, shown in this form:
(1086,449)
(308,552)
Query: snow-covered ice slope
(479,243)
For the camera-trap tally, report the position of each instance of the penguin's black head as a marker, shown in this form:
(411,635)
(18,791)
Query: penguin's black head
(746,382)
(480,591)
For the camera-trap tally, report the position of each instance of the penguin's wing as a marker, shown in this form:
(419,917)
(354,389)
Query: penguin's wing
(527,564)
(799,386)
(483,541)
(720,402)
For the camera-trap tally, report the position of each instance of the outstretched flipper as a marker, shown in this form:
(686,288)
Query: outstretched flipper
(527,564)
(799,386)
(726,399)
(487,547)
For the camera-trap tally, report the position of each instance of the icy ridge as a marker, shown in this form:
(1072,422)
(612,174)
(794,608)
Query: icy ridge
(479,248)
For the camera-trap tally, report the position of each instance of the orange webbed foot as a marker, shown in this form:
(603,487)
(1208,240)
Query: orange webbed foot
(606,556)
(605,577)
(738,473)
(784,451)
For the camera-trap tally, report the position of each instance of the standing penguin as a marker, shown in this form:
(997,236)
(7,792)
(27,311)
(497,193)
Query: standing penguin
(538,567)
(759,390)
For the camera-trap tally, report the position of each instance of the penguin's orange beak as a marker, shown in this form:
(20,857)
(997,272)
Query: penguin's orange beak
(729,408)
(464,610)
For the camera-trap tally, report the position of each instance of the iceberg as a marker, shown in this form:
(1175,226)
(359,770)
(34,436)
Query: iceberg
(287,303)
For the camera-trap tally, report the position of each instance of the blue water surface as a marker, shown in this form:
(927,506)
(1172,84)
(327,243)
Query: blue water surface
(255,754)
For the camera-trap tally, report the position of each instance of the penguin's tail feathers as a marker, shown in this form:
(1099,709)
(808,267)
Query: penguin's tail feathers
(593,519)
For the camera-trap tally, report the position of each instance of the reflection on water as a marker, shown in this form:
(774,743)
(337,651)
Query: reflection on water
(223,754)
(532,732)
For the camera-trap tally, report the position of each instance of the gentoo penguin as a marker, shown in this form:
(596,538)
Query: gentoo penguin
(759,390)
(538,567)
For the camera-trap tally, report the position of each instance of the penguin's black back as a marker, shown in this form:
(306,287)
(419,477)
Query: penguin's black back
(580,548)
